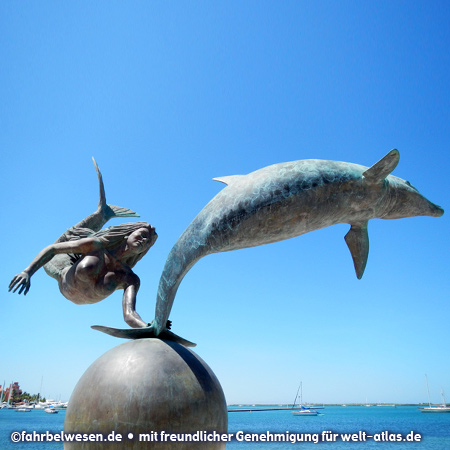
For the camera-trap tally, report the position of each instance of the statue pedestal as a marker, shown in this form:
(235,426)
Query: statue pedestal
(142,388)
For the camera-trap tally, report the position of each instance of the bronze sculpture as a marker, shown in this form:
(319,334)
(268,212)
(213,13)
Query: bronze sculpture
(271,204)
(168,387)
(286,200)
(90,263)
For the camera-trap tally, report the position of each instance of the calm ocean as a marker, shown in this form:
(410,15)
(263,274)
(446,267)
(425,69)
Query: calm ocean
(434,428)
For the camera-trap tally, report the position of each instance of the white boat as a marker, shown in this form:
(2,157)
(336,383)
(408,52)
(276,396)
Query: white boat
(302,411)
(51,411)
(22,409)
(305,412)
(51,404)
(443,408)
(436,409)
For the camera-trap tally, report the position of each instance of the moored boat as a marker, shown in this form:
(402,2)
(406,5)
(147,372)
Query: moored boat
(303,411)
(443,408)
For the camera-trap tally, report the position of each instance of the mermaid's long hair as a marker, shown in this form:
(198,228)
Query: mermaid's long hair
(111,237)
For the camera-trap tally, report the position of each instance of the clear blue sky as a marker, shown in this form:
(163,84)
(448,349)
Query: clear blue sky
(168,95)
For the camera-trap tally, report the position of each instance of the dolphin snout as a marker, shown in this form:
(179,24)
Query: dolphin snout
(436,211)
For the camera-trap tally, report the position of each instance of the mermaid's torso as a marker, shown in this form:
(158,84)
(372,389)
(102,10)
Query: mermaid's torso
(92,278)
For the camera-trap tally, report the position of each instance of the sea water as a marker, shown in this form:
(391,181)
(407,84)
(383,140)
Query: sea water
(351,421)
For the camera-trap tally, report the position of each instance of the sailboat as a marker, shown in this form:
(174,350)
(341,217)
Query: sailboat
(435,408)
(2,396)
(9,406)
(303,411)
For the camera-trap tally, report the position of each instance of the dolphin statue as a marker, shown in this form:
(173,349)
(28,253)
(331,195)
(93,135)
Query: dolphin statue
(286,200)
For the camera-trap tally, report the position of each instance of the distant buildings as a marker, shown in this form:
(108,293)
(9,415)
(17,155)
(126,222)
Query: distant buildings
(14,390)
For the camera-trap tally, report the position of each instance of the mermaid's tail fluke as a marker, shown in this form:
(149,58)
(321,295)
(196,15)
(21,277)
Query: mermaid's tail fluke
(102,197)
(96,220)
(104,211)
(118,211)
(109,211)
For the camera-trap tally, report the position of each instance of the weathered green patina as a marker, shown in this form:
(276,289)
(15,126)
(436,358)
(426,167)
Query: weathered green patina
(287,200)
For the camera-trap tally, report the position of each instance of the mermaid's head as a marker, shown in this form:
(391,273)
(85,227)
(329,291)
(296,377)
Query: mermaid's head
(113,238)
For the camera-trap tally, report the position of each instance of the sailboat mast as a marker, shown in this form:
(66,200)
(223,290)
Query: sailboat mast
(10,394)
(3,393)
(444,404)
(40,390)
(296,396)
(428,390)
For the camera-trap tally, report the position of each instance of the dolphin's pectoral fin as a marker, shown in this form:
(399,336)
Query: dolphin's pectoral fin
(357,240)
(380,170)
(228,180)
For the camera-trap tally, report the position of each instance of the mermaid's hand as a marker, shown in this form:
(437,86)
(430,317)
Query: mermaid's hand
(22,281)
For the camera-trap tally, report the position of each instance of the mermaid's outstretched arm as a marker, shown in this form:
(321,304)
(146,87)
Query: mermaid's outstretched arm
(83,246)
(104,212)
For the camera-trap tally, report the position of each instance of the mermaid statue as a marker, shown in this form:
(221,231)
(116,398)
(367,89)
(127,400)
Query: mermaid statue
(90,263)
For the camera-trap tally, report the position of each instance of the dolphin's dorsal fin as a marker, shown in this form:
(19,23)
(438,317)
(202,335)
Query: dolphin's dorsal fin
(357,240)
(380,170)
(228,180)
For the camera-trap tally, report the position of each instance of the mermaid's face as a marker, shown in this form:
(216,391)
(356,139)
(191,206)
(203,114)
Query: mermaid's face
(141,240)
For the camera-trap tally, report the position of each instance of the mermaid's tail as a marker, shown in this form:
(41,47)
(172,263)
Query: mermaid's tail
(104,211)
(118,211)
(92,222)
